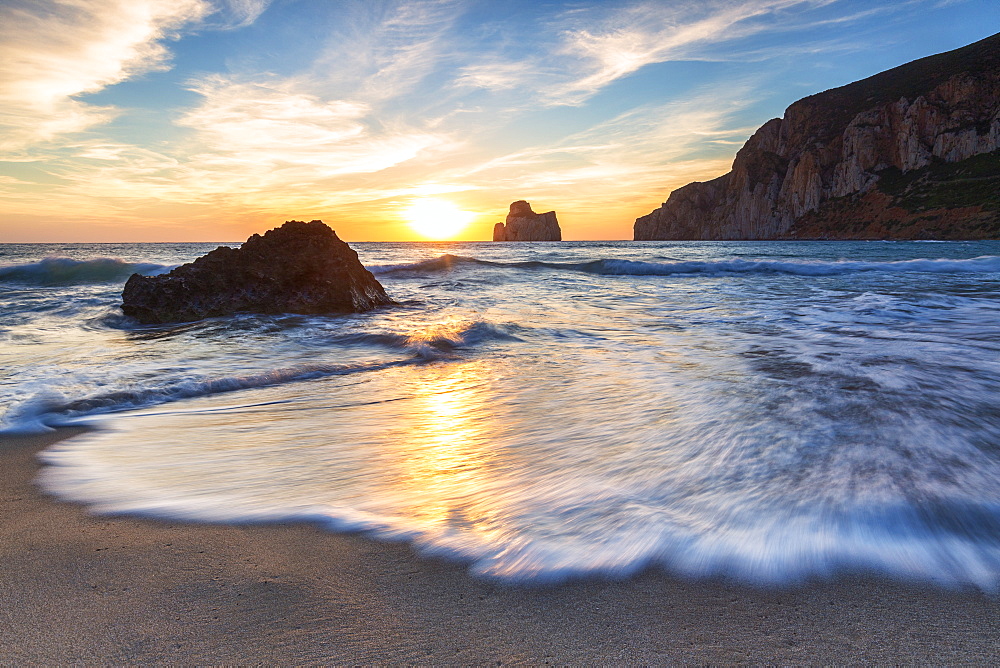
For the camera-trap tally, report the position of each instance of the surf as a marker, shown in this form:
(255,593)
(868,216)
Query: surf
(56,271)
(620,267)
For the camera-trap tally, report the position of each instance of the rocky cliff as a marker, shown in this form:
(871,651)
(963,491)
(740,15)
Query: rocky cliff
(296,268)
(523,224)
(908,153)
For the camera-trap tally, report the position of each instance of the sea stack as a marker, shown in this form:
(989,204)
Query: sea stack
(296,268)
(911,153)
(523,224)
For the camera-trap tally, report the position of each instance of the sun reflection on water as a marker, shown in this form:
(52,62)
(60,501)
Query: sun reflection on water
(443,459)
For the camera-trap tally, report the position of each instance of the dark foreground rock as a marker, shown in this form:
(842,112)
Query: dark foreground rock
(523,224)
(296,268)
(911,153)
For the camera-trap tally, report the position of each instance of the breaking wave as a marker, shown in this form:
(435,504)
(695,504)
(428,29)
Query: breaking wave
(51,409)
(578,424)
(614,267)
(432,343)
(67,271)
(48,408)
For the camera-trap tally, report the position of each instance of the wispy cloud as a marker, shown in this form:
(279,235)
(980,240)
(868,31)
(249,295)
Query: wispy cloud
(626,165)
(653,33)
(260,142)
(240,13)
(255,141)
(255,148)
(594,47)
(381,51)
(53,51)
(383,101)
(496,76)
(266,128)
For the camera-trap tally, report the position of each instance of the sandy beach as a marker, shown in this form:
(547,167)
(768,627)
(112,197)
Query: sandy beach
(82,588)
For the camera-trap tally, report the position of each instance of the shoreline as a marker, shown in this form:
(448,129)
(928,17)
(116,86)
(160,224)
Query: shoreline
(116,589)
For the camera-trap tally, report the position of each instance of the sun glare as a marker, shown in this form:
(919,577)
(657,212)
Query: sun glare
(437,218)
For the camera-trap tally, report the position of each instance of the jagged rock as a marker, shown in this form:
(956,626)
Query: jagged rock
(796,172)
(523,224)
(296,268)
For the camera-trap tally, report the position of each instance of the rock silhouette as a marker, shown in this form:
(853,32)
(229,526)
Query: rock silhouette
(908,153)
(296,268)
(523,224)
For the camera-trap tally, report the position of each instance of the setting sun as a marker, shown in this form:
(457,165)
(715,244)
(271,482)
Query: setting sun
(436,218)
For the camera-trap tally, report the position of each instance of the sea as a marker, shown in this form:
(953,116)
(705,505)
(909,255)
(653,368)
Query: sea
(766,412)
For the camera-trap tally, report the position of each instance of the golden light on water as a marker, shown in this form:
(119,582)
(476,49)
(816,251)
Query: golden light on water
(444,462)
(437,219)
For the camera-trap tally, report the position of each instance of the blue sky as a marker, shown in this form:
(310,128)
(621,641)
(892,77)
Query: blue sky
(162,120)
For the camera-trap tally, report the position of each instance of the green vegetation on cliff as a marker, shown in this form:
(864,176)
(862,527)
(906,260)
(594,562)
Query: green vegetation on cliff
(942,185)
(959,200)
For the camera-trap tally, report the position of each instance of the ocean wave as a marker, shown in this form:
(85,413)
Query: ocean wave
(51,409)
(554,529)
(67,271)
(439,341)
(444,262)
(616,267)
(840,426)
(985,264)
(430,342)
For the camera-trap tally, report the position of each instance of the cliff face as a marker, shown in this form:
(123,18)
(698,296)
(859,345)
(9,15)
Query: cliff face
(832,167)
(523,224)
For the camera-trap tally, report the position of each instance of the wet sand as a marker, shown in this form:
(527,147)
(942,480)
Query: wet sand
(81,588)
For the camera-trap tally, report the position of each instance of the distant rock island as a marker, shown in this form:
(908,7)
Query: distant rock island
(911,153)
(296,268)
(523,224)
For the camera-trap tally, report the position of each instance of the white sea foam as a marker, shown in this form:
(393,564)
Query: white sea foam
(69,271)
(990,264)
(764,412)
(44,407)
(47,409)
(526,487)
(619,267)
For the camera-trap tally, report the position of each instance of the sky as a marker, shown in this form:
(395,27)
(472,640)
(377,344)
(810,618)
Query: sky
(209,120)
